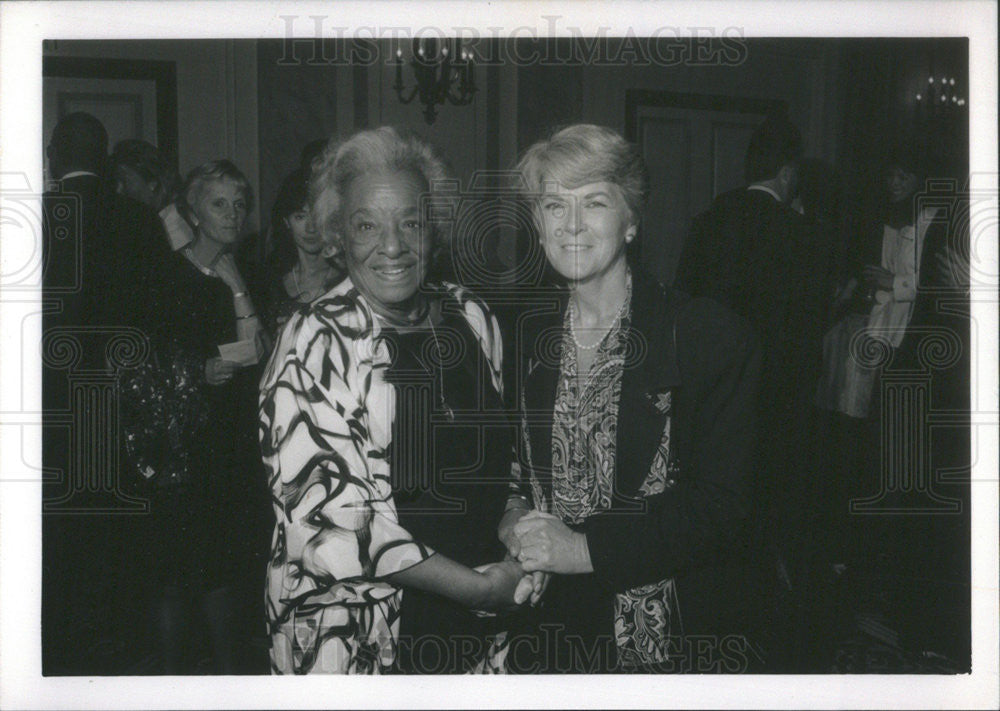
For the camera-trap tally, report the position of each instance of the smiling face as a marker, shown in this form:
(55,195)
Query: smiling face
(584,230)
(386,247)
(305,236)
(221,210)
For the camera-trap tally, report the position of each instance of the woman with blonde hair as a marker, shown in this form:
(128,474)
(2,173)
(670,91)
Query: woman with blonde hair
(638,433)
(189,422)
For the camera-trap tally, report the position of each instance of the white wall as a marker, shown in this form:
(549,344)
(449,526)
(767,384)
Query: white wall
(795,71)
(216,94)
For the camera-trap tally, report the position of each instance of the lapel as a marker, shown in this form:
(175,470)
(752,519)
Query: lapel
(649,378)
(647,383)
(541,355)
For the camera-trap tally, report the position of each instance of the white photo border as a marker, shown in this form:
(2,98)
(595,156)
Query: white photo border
(23,26)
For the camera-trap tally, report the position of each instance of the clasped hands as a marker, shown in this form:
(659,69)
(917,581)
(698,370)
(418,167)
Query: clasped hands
(542,544)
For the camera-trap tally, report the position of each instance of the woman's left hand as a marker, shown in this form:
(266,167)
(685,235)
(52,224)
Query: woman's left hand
(225,267)
(547,544)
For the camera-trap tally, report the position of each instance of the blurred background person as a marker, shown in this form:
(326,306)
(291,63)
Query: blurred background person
(908,297)
(882,284)
(297,270)
(95,252)
(191,429)
(754,253)
(140,172)
(310,152)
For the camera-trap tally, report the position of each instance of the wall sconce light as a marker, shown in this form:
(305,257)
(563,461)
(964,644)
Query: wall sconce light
(443,71)
(940,95)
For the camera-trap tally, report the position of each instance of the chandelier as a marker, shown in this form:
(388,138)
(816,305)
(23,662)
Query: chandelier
(940,95)
(443,70)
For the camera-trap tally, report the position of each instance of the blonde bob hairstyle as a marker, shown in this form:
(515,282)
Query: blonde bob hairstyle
(199,178)
(582,154)
(373,151)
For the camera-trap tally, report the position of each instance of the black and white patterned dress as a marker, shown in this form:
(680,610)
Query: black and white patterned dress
(327,411)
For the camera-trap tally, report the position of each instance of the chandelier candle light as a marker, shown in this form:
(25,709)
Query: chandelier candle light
(940,93)
(443,73)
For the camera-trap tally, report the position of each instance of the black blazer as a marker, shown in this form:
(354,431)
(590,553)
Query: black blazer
(99,247)
(697,531)
(758,257)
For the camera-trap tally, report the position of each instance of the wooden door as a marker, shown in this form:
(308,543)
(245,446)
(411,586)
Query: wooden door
(693,145)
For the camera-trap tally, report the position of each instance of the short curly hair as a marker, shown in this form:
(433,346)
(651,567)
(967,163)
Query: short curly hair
(584,153)
(372,151)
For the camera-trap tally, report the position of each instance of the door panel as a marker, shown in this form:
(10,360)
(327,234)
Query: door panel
(693,146)
(668,140)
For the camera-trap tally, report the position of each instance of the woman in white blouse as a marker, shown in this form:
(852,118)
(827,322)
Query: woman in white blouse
(904,229)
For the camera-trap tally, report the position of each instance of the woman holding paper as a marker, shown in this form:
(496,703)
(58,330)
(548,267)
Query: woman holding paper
(190,421)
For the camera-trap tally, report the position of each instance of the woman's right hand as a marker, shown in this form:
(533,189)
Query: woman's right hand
(219,371)
(507,586)
(505,531)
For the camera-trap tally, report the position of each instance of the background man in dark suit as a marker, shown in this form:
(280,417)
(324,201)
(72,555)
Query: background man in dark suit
(97,246)
(105,241)
(751,251)
(76,153)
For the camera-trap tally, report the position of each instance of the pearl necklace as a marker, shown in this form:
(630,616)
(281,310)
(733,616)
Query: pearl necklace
(599,341)
(189,253)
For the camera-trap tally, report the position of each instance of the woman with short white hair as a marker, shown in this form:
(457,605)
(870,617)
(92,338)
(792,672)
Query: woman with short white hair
(383,436)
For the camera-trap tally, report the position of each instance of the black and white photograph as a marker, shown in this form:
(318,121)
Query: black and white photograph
(585,346)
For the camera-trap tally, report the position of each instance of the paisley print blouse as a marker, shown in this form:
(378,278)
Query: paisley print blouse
(326,415)
(584,436)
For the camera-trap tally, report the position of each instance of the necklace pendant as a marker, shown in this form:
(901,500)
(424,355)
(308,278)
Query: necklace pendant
(448,412)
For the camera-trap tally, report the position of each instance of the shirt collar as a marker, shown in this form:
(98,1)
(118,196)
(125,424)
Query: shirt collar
(765,189)
(79,173)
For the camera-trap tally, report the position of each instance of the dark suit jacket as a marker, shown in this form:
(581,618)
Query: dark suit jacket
(697,530)
(97,251)
(939,309)
(768,264)
(95,248)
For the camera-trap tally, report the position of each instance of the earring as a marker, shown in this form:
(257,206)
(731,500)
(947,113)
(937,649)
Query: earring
(331,250)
